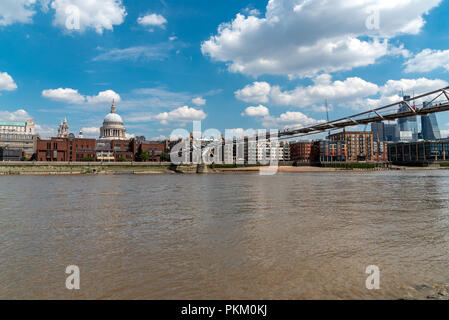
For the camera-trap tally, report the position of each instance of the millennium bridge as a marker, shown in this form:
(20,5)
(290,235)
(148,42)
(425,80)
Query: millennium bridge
(422,105)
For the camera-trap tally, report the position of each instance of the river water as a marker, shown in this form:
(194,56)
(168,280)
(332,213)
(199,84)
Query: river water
(231,236)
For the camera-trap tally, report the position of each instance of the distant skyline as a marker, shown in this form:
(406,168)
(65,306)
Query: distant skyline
(230,64)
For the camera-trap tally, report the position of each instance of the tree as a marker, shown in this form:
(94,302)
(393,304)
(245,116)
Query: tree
(143,156)
(165,157)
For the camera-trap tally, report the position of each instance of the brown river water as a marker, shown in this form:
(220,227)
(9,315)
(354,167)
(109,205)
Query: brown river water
(231,236)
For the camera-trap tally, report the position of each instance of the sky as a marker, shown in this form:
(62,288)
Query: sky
(230,64)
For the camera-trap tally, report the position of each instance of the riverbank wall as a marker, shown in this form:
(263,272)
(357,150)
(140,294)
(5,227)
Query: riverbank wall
(75,168)
(137,168)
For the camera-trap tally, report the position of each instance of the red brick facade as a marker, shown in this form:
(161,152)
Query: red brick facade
(65,149)
(77,150)
(155,150)
(304,152)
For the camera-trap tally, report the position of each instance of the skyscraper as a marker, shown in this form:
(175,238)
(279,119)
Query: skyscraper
(408,126)
(429,124)
(385,132)
(378,130)
(392,132)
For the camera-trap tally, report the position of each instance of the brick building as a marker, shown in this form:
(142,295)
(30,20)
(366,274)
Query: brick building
(65,149)
(304,152)
(155,149)
(116,150)
(359,145)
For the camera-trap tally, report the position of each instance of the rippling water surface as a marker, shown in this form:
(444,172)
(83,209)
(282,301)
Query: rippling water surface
(236,236)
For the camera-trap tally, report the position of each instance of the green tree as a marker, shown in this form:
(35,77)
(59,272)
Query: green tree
(143,156)
(165,157)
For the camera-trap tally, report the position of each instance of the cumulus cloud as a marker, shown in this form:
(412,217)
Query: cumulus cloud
(152,20)
(289,119)
(182,114)
(19,115)
(68,95)
(323,88)
(199,101)
(410,86)
(99,15)
(254,93)
(354,93)
(16,11)
(64,95)
(391,92)
(103,97)
(259,111)
(301,37)
(428,60)
(7,82)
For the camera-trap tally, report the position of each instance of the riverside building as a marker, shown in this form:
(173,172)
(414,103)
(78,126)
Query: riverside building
(18,135)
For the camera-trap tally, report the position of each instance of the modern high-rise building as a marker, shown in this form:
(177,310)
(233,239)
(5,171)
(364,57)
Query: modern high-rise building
(378,130)
(392,132)
(408,126)
(385,132)
(429,126)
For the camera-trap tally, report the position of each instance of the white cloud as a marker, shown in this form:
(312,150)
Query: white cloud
(410,86)
(68,95)
(323,88)
(307,37)
(152,20)
(289,120)
(251,11)
(99,15)
(104,97)
(259,111)
(391,92)
(19,115)
(255,93)
(130,136)
(91,132)
(199,101)
(156,98)
(16,11)
(64,95)
(354,93)
(7,82)
(159,138)
(45,131)
(182,114)
(155,52)
(428,60)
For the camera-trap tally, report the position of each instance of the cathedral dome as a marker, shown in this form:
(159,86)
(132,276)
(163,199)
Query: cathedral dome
(113,118)
(113,128)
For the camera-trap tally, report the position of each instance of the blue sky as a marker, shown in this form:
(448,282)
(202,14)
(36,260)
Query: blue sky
(231,64)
